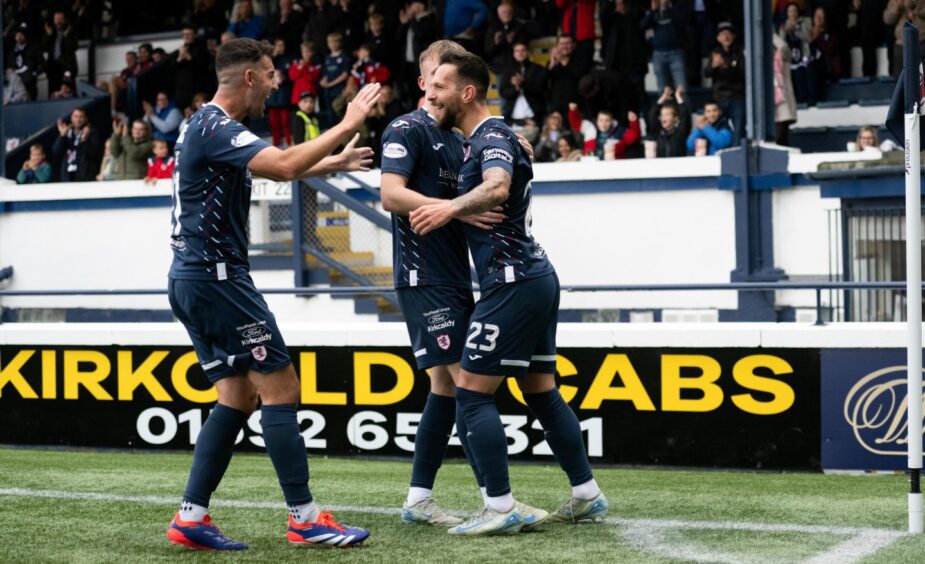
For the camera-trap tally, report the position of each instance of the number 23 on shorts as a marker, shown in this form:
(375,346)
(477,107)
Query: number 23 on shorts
(490,336)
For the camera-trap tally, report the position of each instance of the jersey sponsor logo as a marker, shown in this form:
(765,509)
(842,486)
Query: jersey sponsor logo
(394,151)
(495,153)
(443,341)
(448,175)
(437,146)
(438,318)
(254,333)
(260,353)
(243,139)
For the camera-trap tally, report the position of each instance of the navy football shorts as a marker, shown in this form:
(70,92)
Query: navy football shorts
(230,325)
(512,331)
(436,317)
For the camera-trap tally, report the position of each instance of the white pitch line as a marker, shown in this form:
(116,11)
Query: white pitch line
(647,534)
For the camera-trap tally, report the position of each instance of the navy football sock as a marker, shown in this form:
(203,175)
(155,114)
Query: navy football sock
(461,430)
(287,451)
(212,453)
(486,439)
(563,434)
(431,438)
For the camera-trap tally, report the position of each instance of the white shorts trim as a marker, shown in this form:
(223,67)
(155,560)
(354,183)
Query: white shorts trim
(523,363)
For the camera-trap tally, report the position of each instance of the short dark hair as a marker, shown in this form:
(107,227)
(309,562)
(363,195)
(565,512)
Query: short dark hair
(672,106)
(470,68)
(712,103)
(240,51)
(569,138)
(147,46)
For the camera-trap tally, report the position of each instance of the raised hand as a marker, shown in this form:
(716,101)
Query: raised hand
(356,159)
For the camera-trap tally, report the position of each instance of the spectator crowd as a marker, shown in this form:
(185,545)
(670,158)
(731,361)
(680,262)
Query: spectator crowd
(582,94)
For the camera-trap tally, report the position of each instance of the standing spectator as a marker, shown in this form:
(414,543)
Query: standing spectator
(158,55)
(382,45)
(698,41)
(207,18)
(547,147)
(145,57)
(288,24)
(606,132)
(567,148)
(334,76)
(280,100)
(322,16)
(247,23)
(870,20)
(668,20)
(564,73)
(339,108)
(578,22)
(669,123)
(727,69)
(501,35)
(462,19)
(305,72)
(36,170)
(349,22)
(305,126)
(785,103)
(60,46)
(796,31)
(387,109)
(824,47)
(190,67)
(26,61)
(710,129)
(895,16)
(130,150)
(605,90)
(366,69)
(164,117)
(420,28)
(523,87)
(77,149)
(624,51)
(119,82)
(161,164)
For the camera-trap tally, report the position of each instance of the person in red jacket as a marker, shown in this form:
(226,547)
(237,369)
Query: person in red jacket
(578,21)
(606,132)
(160,166)
(367,70)
(304,73)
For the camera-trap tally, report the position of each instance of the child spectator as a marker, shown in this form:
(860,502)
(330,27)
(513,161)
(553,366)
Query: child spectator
(335,74)
(568,149)
(367,70)
(160,166)
(304,122)
(130,150)
(606,132)
(279,102)
(713,129)
(304,73)
(36,170)
(669,124)
(383,47)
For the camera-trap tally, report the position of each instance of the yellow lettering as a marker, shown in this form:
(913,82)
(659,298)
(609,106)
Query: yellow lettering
(130,379)
(308,374)
(74,377)
(178,376)
(602,389)
(362,371)
(49,375)
(744,373)
(673,383)
(564,367)
(12,374)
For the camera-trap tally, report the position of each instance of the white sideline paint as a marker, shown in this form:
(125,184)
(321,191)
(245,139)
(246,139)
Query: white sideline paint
(651,535)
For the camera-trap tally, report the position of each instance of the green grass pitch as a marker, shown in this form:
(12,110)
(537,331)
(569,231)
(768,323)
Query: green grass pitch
(656,515)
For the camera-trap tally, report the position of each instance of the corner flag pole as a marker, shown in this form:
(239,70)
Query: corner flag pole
(913,99)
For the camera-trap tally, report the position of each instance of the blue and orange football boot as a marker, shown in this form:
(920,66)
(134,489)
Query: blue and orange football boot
(203,535)
(325,532)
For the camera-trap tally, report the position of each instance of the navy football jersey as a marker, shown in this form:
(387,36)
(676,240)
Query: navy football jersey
(508,252)
(211,196)
(429,157)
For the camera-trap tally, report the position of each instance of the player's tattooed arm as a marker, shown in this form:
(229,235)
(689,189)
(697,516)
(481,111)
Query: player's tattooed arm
(493,191)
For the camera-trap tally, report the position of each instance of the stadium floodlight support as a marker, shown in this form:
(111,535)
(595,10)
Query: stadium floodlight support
(913,123)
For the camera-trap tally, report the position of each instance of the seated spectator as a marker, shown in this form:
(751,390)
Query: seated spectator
(669,124)
(727,69)
(568,149)
(67,89)
(868,138)
(200,99)
(366,69)
(160,166)
(108,165)
(36,170)
(279,101)
(334,76)
(130,150)
(305,126)
(14,90)
(77,149)
(165,118)
(523,87)
(305,72)
(26,61)
(668,20)
(246,23)
(547,148)
(501,35)
(711,132)
(606,132)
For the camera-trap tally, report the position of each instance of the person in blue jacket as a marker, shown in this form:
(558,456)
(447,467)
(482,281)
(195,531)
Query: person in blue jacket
(711,126)
(463,17)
